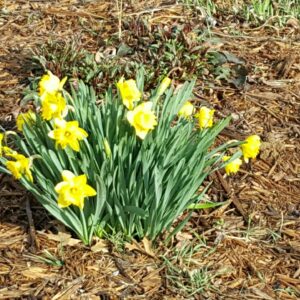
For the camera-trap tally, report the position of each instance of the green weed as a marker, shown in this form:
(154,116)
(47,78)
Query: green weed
(184,272)
(261,11)
(254,12)
(47,258)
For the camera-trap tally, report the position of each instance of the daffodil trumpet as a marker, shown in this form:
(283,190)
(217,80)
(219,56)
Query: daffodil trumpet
(51,84)
(251,147)
(129,92)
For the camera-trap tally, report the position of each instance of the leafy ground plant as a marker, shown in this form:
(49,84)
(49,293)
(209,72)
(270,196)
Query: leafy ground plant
(132,162)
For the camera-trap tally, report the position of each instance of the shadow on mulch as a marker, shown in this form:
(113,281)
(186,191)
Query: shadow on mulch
(13,199)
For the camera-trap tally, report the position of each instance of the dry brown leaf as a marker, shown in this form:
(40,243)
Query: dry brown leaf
(100,246)
(148,246)
(64,238)
(184,236)
(293,22)
(98,57)
(152,280)
(132,247)
(135,246)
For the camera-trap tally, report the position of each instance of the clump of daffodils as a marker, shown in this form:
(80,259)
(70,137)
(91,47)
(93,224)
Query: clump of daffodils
(134,163)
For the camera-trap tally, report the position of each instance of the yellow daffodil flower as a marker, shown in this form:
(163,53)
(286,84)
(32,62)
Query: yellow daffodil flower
(233,166)
(163,86)
(129,92)
(205,117)
(67,134)
(186,110)
(51,84)
(20,167)
(73,189)
(1,146)
(53,106)
(4,149)
(251,147)
(8,151)
(142,119)
(27,118)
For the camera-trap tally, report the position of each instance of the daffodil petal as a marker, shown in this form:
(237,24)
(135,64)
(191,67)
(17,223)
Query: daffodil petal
(147,106)
(89,191)
(58,188)
(80,180)
(130,116)
(51,134)
(141,134)
(62,82)
(62,201)
(67,175)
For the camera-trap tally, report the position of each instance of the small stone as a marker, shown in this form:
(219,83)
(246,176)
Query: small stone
(235,116)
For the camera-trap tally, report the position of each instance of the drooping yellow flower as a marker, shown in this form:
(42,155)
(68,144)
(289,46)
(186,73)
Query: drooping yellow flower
(53,106)
(8,151)
(4,150)
(20,167)
(186,110)
(163,86)
(142,119)
(233,166)
(67,134)
(251,147)
(73,189)
(28,118)
(129,92)
(205,117)
(51,84)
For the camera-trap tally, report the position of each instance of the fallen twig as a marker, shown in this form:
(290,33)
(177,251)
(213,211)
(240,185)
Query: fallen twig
(32,234)
(232,197)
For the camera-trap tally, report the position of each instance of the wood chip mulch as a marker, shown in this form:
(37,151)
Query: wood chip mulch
(252,244)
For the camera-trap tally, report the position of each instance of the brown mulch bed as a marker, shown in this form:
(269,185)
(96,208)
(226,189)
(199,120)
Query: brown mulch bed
(252,244)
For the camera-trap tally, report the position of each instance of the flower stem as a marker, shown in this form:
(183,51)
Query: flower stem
(85,229)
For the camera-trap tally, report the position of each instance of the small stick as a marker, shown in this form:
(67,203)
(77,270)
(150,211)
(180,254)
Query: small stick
(120,12)
(32,235)
(232,197)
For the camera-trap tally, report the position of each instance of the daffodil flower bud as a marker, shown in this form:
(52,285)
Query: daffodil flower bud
(187,110)
(163,86)
(107,148)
